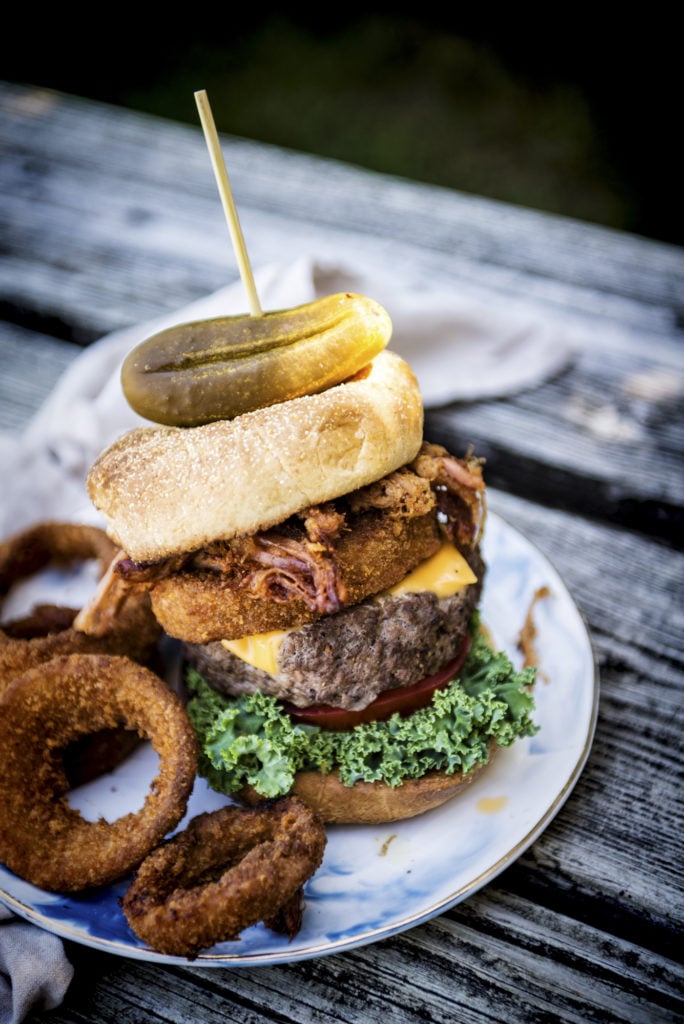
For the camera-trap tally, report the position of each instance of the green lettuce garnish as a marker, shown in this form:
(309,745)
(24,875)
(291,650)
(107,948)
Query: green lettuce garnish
(251,740)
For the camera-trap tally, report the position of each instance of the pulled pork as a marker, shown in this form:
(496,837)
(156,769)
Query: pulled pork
(297,560)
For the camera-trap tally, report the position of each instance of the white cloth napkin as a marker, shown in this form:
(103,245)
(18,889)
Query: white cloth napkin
(34,972)
(459,350)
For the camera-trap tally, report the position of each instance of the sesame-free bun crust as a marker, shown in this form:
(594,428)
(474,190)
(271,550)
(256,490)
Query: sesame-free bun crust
(167,490)
(367,803)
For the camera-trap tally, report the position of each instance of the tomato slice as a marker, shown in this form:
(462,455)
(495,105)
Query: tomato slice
(404,699)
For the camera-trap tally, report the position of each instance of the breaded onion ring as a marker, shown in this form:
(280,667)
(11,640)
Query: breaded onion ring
(43,839)
(42,620)
(48,631)
(59,543)
(228,870)
(135,635)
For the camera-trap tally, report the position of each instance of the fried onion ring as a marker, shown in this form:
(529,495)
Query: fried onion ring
(135,635)
(42,620)
(92,755)
(42,544)
(43,839)
(48,632)
(228,870)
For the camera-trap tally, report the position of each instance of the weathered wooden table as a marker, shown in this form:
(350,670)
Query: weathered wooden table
(110,218)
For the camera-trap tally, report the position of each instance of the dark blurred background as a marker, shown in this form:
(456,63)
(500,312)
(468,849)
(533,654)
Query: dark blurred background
(559,112)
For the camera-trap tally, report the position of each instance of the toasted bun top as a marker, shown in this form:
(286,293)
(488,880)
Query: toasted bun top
(167,490)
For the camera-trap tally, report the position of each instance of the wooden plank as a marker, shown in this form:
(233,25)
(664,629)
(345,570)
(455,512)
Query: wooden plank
(495,950)
(31,366)
(100,233)
(604,439)
(101,229)
(83,133)
(163,199)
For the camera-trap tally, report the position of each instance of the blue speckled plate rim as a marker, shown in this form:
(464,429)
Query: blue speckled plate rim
(78,933)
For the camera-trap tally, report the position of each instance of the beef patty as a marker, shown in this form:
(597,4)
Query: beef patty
(347,659)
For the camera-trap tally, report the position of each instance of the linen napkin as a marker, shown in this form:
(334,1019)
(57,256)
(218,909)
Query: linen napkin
(460,351)
(34,972)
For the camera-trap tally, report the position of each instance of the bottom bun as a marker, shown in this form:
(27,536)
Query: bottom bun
(367,803)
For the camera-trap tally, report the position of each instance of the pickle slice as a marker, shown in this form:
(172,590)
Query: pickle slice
(218,369)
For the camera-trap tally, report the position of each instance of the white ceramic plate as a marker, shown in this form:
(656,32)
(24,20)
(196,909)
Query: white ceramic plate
(376,881)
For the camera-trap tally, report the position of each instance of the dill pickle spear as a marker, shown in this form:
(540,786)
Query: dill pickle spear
(218,369)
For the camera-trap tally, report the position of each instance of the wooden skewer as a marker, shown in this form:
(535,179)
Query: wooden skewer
(226,193)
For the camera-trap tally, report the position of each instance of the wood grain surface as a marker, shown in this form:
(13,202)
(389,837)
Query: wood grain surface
(109,218)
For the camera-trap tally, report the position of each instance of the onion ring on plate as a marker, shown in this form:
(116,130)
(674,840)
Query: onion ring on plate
(42,620)
(227,870)
(135,634)
(43,839)
(32,549)
(48,631)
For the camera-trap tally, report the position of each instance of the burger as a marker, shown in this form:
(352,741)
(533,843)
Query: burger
(320,565)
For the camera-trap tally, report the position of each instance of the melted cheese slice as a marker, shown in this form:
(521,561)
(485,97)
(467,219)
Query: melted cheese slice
(258,649)
(445,573)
